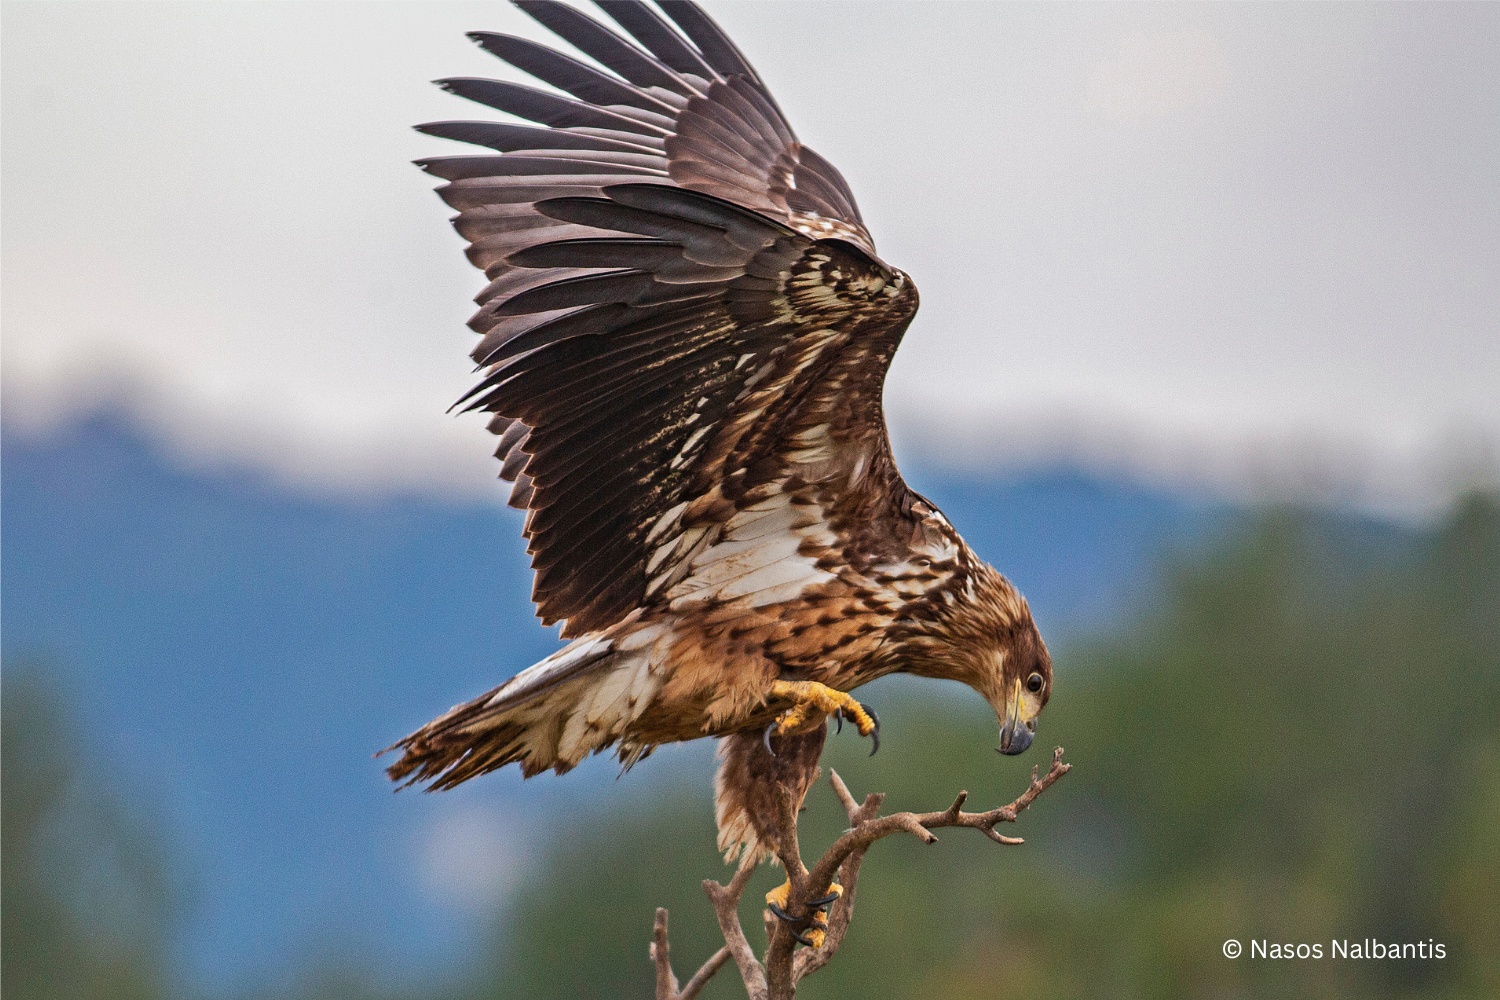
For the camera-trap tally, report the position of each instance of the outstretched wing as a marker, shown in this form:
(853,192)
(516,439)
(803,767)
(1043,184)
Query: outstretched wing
(683,304)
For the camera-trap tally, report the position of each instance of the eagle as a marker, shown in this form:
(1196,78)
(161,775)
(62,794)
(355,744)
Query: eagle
(684,341)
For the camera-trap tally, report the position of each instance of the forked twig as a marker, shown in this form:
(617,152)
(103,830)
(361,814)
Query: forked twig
(666,979)
(784,965)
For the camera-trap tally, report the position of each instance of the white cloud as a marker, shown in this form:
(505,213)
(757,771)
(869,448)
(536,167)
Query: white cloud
(229,241)
(1159,74)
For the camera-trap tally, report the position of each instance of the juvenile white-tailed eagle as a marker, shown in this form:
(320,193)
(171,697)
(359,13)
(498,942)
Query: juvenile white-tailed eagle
(684,338)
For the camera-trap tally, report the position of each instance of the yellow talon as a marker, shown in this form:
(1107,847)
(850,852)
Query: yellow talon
(812,700)
(777,897)
(816,931)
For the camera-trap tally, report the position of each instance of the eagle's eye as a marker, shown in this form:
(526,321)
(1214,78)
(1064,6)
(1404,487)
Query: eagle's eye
(1034,683)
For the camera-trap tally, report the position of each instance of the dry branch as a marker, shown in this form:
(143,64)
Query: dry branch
(776,978)
(666,979)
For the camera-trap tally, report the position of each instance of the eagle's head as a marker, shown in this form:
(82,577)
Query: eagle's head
(1023,683)
(984,636)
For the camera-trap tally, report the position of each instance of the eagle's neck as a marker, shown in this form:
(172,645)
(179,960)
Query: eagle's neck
(958,629)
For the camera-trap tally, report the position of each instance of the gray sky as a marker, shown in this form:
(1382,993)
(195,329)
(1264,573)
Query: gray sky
(1235,244)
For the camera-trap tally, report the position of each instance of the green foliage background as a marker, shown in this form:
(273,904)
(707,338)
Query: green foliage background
(1298,741)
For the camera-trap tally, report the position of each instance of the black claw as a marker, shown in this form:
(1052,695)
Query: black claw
(782,914)
(838,721)
(810,921)
(874,733)
(766,738)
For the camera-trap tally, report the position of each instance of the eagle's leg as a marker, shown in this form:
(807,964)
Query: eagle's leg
(817,912)
(813,701)
(749,798)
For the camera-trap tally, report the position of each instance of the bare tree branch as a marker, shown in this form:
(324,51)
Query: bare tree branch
(726,902)
(661,954)
(784,965)
(810,960)
(703,975)
(666,979)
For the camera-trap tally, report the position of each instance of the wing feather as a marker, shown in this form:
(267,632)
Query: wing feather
(568,74)
(598,42)
(647,27)
(717,49)
(665,312)
(507,137)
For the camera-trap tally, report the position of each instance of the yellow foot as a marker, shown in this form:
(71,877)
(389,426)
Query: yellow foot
(811,700)
(814,926)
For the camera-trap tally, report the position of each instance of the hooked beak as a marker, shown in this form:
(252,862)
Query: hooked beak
(1016,732)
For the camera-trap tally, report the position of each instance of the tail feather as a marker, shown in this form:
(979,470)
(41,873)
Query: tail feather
(551,715)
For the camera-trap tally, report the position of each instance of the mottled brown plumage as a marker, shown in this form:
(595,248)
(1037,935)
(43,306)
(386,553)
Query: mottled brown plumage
(748,787)
(685,339)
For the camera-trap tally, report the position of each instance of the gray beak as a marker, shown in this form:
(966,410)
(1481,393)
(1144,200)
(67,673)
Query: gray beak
(1015,737)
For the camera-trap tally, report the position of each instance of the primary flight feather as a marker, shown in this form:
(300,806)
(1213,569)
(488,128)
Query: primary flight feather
(684,339)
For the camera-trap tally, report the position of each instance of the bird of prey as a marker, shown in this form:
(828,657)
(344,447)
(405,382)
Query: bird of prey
(684,341)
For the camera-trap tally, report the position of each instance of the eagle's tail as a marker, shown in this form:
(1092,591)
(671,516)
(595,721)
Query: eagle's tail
(554,713)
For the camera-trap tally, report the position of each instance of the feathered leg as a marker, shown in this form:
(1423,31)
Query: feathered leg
(746,788)
(747,807)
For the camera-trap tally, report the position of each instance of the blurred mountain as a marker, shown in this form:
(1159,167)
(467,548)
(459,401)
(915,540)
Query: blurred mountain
(1286,726)
(240,648)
